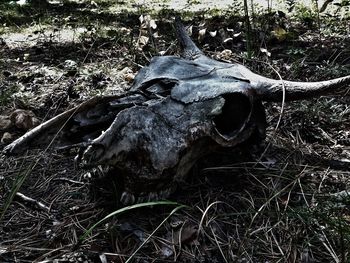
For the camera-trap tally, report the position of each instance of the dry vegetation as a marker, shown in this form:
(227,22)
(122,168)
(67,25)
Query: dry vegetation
(286,202)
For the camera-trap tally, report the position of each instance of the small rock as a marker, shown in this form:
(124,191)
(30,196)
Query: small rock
(24,119)
(6,138)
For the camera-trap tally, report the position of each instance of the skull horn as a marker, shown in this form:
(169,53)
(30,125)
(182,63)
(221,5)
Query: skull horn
(272,90)
(190,50)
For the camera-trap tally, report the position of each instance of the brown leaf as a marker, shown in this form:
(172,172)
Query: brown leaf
(24,119)
(5,123)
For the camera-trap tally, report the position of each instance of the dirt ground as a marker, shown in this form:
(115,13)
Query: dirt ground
(288,202)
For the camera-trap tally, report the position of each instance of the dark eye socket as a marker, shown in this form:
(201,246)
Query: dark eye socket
(235,112)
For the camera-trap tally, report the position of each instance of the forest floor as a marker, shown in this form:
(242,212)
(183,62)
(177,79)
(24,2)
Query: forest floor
(289,205)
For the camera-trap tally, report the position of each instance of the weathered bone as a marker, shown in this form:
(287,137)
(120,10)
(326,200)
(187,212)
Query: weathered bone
(177,110)
(272,90)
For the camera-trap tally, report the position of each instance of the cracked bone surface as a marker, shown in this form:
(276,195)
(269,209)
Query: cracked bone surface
(177,110)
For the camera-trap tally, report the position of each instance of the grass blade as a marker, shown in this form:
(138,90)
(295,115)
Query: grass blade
(124,209)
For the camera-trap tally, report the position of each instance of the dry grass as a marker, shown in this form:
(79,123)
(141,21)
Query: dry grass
(276,212)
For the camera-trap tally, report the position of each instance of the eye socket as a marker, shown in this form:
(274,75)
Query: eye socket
(234,114)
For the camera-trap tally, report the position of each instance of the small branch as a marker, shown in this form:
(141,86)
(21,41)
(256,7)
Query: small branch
(67,180)
(32,202)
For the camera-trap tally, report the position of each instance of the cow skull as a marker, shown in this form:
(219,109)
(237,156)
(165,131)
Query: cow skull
(178,109)
(154,144)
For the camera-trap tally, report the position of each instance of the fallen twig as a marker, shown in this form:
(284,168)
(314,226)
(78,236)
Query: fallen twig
(32,202)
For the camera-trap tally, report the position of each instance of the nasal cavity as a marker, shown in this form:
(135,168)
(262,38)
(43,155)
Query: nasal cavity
(234,114)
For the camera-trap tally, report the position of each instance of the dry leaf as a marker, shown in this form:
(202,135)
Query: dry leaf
(280,33)
(228,39)
(5,123)
(24,119)
(141,19)
(225,54)
(201,34)
(129,77)
(213,33)
(264,50)
(189,30)
(143,40)
(152,24)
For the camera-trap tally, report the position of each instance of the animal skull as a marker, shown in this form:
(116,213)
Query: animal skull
(189,108)
(178,109)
